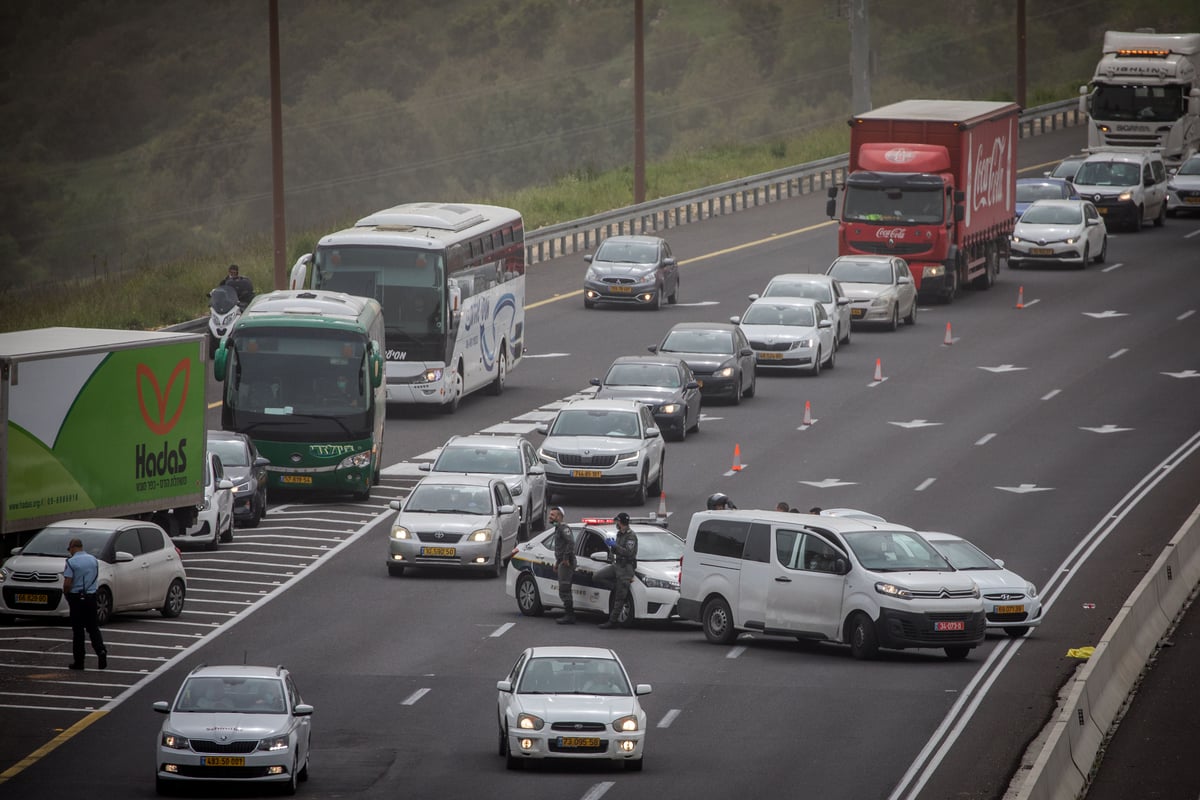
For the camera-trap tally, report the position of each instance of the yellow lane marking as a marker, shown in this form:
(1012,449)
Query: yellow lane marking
(50,746)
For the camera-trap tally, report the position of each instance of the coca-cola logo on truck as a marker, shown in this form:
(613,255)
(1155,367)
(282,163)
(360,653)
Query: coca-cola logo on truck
(890,233)
(991,174)
(900,155)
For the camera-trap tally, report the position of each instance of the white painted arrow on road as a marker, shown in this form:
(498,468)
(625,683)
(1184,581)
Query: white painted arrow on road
(706,418)
(545,355)
(828,483)
(1004,368)
(916,423)
(1110,428)
(1187,373)
(701,303)
(1025,488)
(1104,314)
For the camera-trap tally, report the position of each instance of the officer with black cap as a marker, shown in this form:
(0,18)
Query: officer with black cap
(564,563)
(624,556)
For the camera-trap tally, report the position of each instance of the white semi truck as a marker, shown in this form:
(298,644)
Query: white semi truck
(1146,94)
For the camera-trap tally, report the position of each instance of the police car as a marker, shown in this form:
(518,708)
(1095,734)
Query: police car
(532,579)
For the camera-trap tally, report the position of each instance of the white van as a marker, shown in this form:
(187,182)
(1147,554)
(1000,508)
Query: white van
(841,579)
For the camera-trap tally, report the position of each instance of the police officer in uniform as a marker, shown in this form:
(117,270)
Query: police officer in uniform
(80,581)
(719,502)
(564,564)
(624,555)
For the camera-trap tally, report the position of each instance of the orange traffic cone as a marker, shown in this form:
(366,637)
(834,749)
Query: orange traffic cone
(1021,297)
(808,420)
(737,458)
(949,340)
(878,369)
(662,506)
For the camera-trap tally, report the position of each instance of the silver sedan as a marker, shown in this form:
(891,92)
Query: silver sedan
(881,289)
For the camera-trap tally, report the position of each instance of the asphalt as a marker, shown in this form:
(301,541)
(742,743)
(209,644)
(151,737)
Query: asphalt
(1152,753)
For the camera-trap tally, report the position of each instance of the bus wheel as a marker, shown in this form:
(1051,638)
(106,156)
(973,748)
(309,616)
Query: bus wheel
(456,385)
(501,372)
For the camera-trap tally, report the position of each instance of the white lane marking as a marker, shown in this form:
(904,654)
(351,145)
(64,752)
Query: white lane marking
(1032,303)
(1193,233)
(1004,368)
(1048,395)
(925,484)
(828,483)
(736,651)
(414,697)
(545,355)
(503,629)
(706,418)
(1118,265)
(668,718)
(700,303)
(916,423)
(1187,373)
(1109,314)
(873,384)
(1186,314)
(1025,488)
(1120,352)
(597,791)
(1109,428)
(519,428)
(534,416)
(986,438)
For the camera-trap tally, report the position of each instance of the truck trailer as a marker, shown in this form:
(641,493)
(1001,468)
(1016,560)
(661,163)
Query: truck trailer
(932,181)
(100,423)
(1146,93)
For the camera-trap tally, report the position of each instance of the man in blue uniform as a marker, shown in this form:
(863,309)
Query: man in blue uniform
(80,579)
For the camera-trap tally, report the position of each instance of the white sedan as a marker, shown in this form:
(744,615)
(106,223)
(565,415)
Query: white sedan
(1059,232)
(825,290)
(789,333)
(1010,602)
(533,582)
(570,702)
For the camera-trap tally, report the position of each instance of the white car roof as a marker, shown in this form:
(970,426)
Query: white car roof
(801,277)
(572,652)
(236,671)
(484,440)
(97,523)
(457,479)
(803,302)
(603,405)
(1072,203)
(835,524)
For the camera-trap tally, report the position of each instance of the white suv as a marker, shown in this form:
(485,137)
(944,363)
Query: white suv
(1128,187)
(604,445)
(840,579)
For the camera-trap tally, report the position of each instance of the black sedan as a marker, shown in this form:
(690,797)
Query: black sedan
(663,383)
(719,356)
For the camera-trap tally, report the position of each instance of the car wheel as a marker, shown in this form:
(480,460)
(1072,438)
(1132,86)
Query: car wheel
(832,357)
(303,776)
(625,615)
(1138,214)
(497,387)
(737,390)
(1161,219)
(656,488)
(529,600)
(864,643)
(911,319)
(635,766)
(895,323)
(211,544)
(258,508)
(396,570)
(501,741)
(696,422)
(846,334)
(718,621)
(682,433)
(991,268)
(172,606)
(952,289)
(1087,256)
(1103,250)
(497,570)
(456,387)
(753,384)
(1016,633)
(639,494)
(104,605)
(526,525)
(290,787)
(815,370)
(957,653)
(511,761)
(673,297)
(162,788)
(227,535)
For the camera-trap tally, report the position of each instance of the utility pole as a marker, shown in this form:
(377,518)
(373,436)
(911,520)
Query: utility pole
(1021,53)
(639,107)
(281,280)
(860,57)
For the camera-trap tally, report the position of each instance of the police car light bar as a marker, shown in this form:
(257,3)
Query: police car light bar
(632,520)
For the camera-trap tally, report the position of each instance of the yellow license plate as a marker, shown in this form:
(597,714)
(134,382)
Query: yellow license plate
(302,479)
(578,741)
(621,289)
(1010,609)
(224,761)
(1042,251)
(770,356)
(857,312)
(586,473)
(32,598)
(1191,200)
(437,551)
(1102,211)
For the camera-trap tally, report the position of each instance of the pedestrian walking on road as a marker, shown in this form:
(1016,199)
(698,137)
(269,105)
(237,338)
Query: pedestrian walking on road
(81,576)
(564,564)
(624,556)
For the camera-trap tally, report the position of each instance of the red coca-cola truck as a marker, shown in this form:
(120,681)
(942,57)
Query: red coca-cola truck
(932,181)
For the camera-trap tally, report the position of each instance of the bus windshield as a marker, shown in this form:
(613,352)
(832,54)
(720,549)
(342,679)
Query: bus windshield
(408,283)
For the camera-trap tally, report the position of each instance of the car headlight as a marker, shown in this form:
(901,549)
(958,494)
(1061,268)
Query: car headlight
(1072,240)
(175,742)
(546,454)
(274,743)
(938,270)
(481,535)
(244,486)
(1031,591)
(669,408)
(516,489)
(401,532)
(724,372)
(1125,197)
(801,343)
(659,583)
(205,504)
(1016,240)
(626,724)
(432,375)
(3,574)
(894,590)
(628,456)
(528,722)
(358,460)
(591,275)
(880,302)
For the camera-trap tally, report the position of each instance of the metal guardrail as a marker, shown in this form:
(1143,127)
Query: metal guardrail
(564,238)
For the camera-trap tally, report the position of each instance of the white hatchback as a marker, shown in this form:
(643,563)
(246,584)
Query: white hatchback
(214,516)
(1059,232)
(1010,602)
(789,333)
(825,290)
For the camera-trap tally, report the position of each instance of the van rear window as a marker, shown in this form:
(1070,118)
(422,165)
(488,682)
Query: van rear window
(734,539)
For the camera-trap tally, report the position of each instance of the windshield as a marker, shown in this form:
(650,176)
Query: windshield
(660,375)
(235,695)
(1043,214)
(1140,103)
(895,551)
(664,546)
(880,204)
(231,452)
(821,292)
(54,541)
(769,314)
(627,252)
(562,675)
(596,422)
(1028,192)
(1190,167)
(222,299)
(718,343)
(284,371)
(444,498)
(1067,168)
(963,555)
(408,283)
(852,271)
(491,460)
(1108,173)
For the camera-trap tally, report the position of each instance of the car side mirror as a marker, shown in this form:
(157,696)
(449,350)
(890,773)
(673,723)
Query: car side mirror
(302,710)
(162,707)
(643,688)
(999,562)
(262,461)
(653,433)
(904,279)
(542,429)
(824,324)
(508,510)
(1091,223)
(224,483)
(588,258)
(746,351)
(752,297)
(122,557)
(1148,182)
(16,551)
(594,381)
(504,686)
(841,566)
(669,261)
(537,469)
(600,556)
(653,348)
(394,505)
(692,385)
(426,467)
(736,320)
(843,301)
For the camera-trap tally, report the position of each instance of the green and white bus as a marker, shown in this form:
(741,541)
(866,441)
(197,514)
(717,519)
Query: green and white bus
(451,280)
(303,375)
